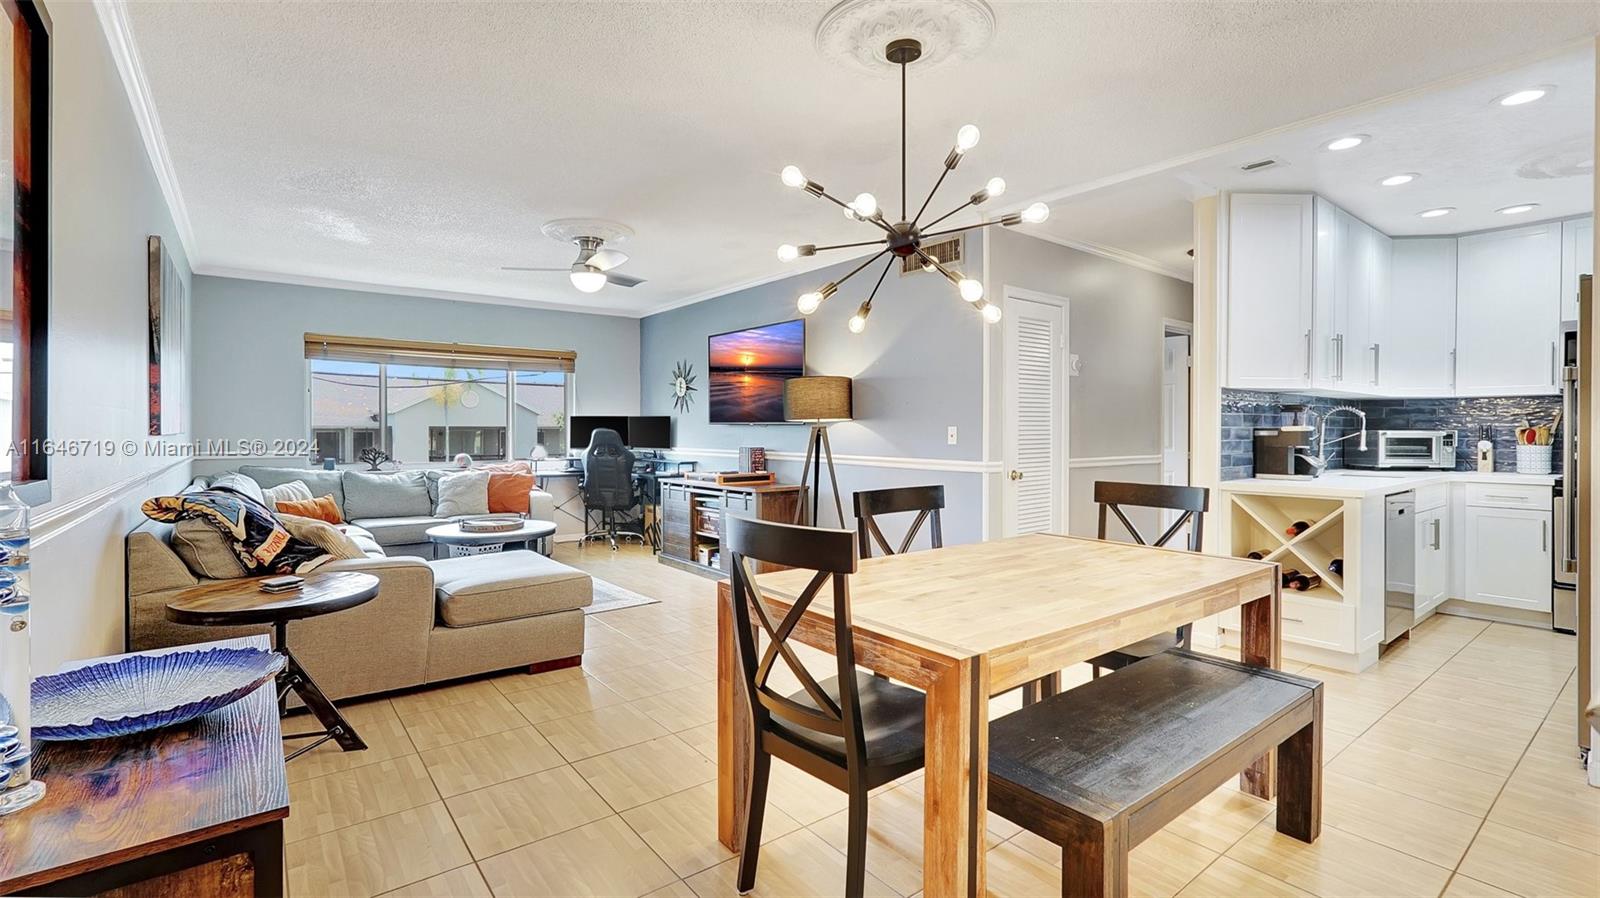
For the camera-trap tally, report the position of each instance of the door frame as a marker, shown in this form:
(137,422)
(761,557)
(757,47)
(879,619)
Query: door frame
(1007,451)
(1171,327)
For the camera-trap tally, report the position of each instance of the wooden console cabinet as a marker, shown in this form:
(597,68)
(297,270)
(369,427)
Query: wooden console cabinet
(691,519)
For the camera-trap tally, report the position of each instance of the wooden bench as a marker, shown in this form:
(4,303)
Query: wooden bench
(1102,767)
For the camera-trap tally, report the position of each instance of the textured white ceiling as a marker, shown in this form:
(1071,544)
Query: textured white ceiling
(421,145)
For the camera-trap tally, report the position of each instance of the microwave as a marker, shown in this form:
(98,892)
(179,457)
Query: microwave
(1418,449)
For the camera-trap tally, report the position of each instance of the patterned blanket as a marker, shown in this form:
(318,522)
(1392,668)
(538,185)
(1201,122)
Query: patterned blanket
(260,541)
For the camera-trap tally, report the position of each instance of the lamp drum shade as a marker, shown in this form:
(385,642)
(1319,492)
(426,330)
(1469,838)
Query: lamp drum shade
(818,398)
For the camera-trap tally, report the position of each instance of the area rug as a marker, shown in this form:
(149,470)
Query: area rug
(609,597)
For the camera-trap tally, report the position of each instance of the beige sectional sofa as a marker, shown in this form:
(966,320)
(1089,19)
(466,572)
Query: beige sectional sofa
(432,620)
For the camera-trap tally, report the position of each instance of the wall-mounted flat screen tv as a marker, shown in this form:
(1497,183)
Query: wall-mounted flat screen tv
(749,368)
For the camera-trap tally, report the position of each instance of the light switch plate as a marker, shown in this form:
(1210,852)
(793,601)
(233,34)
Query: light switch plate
(950,435)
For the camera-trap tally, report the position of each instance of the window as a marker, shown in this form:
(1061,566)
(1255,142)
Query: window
(435,400)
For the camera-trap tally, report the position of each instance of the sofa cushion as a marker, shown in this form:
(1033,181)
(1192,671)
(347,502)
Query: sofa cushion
(399,531)
(397,495)
(239,483)
(321,483)
(293,491)
(463,493)
(322,508)
(363,538)
(483,589)
(508,493)
(205,552)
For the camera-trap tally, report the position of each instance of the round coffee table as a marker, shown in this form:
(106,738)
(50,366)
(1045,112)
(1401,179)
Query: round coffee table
(461,542)
(231,603)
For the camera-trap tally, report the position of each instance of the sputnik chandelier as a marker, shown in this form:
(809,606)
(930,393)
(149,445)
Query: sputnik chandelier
(907,236)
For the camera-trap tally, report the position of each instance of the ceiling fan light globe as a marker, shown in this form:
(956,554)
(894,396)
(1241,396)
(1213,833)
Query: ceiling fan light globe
(587,281)
(793,177)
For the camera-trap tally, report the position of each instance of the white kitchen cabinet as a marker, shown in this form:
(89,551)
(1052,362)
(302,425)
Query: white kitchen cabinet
(1508,557)
(1433,558)
(1330,319)
(1368,316)
(1271,259)
(1350,279)
(1508,312)
(1577,258)
(1418,331)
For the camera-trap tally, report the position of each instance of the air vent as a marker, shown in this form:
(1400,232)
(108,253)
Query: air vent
(947,251)
(1261,165)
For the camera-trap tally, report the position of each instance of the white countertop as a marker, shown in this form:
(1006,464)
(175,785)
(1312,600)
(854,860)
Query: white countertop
(1345,484)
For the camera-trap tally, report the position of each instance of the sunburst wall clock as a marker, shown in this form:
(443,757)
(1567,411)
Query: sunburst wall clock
(682,386)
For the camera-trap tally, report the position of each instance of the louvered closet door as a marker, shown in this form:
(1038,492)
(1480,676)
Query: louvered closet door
(1034,480)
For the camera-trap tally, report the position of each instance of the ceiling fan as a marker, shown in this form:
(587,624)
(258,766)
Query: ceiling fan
(595,265)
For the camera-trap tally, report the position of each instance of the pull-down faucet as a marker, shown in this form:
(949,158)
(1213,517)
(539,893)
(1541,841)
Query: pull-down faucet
(1320,460)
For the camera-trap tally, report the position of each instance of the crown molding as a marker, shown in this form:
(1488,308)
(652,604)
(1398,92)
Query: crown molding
(1116,255)
(331,283)
(113,16)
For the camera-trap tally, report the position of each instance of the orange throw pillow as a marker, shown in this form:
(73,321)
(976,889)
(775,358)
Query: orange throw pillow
(509,493)
(321,509)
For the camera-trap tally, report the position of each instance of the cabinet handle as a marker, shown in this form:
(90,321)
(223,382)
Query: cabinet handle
(1452,369)
(1503,496)
(1292,620)
(1376,347)
(1436,534)
(1338,356)
(1544,536)
(1308,355)
(1552,363)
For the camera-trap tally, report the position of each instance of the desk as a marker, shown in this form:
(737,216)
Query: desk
(197,807)
(966,622)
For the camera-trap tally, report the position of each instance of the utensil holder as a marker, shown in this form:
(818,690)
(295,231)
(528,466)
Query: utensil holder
(1533,459)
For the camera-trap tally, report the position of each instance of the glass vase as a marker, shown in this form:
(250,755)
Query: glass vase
(18,788)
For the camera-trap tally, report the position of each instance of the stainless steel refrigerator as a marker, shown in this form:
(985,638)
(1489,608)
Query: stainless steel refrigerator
(1572,599)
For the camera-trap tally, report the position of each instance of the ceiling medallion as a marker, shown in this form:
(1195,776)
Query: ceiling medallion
(905,238)
(858,31)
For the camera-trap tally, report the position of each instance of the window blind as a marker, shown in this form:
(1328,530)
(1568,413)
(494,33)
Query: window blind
(420,352)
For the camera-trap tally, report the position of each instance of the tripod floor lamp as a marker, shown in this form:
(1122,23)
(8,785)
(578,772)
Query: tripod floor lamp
(820,400)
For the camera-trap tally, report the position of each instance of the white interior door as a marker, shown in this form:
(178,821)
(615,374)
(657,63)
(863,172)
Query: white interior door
(1035,420)
(1174,415)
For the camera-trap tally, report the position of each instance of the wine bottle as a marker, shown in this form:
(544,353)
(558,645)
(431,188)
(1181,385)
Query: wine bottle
(1297,528)
(1288,577)
(1303,582)
(1257,554)
(1336,566)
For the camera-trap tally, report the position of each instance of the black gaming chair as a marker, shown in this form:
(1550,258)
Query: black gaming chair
(609,496)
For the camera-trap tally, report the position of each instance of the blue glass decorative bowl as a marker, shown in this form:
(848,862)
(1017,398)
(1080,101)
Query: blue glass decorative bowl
(136,693)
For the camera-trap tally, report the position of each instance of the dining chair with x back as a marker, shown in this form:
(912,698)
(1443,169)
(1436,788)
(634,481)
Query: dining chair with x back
(926,501)
(853,731)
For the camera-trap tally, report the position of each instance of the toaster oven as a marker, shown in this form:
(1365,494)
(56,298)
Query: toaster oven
(1417,449)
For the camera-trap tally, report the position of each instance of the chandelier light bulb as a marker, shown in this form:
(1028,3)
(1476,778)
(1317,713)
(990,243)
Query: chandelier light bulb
(858,321)
(793,177)
(588,281)
(966,138)
(865,205)
(809,302)
(990,313)
(788,252)
(995,187)
(971,290)
(1036,213)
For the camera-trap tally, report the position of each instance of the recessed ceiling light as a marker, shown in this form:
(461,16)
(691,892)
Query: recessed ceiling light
(1435,213)
(1346,143)
(1527,95)
(1397,180)
(1518,209)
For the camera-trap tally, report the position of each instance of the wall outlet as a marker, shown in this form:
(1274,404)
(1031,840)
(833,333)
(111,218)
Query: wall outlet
(950,435)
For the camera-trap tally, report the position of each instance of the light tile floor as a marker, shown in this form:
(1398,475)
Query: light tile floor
(1451,770)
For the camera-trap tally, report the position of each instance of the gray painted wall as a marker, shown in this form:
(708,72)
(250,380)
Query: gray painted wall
(105,201)
(917,369)
(249,350)
(1115,328)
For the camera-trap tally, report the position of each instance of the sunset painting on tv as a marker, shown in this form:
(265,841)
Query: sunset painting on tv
(748,370)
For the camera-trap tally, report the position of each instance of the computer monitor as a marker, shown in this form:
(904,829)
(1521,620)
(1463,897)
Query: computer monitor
(584,426)
(649,432)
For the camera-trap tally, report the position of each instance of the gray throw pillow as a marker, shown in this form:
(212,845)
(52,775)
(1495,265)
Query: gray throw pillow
(205,551)
(403,494)
(321,483)
(463,493)
(241,484)
(293,491)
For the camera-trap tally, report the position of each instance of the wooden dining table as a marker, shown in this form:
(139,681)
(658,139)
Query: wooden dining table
(967,622)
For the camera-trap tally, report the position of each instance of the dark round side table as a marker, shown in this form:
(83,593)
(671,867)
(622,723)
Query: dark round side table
(231,603)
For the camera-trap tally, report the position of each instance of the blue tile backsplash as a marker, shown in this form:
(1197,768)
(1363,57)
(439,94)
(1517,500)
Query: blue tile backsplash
(1244,410)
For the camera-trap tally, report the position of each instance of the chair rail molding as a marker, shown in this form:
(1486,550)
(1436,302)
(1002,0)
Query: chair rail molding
(910,463)
(1114,461)
(55,519)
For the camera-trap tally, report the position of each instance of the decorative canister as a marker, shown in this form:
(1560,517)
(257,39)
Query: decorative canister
(1533,459)
(18,788)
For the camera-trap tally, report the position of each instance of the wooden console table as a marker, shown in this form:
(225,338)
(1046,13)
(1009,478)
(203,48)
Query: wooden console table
(195,809)
(691,517)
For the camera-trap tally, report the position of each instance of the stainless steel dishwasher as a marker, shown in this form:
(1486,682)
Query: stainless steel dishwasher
(1399,565)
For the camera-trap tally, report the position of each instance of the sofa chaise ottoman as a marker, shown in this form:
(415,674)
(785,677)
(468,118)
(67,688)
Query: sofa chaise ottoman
(496,610)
